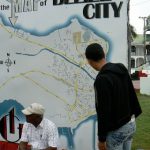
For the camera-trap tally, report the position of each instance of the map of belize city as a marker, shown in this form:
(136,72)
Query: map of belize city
(48,67)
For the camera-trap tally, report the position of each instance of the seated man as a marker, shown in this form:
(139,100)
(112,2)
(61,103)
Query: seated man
(39,132)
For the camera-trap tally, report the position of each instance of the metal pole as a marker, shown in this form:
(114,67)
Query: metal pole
(144,42)
(129,40)
(144,38)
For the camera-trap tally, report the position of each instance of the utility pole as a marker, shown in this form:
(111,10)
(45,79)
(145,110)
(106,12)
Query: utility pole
(144,36)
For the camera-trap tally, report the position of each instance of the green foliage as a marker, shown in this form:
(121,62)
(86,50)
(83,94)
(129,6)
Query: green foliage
(133,32)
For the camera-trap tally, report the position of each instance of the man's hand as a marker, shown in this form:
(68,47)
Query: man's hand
(51,148)
(23,146)
(102,145)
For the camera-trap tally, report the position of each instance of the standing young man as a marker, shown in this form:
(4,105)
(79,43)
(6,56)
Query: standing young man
(116,102)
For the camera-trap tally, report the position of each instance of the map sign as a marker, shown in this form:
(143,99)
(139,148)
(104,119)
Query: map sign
(42,46)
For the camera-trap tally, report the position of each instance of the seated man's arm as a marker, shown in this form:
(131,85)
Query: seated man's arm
(24,138)
(23,146)
(51,148)
(52,138)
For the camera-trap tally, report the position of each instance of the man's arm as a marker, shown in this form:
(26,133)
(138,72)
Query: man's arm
(52,138)
(103,106)
(24,138)
(103,89)
(51,148)
(23,146)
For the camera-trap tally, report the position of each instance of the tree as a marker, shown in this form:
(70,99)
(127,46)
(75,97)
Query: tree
(132,32)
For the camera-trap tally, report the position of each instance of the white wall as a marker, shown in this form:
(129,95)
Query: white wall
(145,85)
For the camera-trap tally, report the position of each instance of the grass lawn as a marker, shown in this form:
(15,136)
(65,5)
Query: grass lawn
(142,137)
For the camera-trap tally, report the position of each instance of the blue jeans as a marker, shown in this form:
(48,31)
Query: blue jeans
(121,139)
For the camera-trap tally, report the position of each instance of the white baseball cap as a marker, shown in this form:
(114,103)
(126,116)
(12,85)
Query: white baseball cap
(34,108)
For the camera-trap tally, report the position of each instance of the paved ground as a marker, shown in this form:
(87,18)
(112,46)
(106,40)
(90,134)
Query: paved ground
(136,84)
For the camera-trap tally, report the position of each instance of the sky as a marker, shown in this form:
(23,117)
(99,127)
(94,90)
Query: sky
(139,8)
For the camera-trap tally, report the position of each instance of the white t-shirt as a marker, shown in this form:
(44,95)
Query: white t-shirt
(43,136)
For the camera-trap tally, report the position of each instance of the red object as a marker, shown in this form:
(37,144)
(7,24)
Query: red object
(10,146)
(3,126)
(12,121)
(141,74)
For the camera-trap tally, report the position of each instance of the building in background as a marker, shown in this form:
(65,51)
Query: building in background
(137,53)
